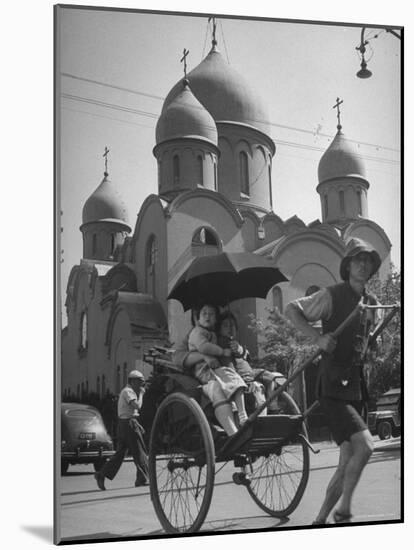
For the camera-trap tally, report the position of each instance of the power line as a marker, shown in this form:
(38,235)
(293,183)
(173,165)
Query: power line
(275,124)
(106,85)
(155,116)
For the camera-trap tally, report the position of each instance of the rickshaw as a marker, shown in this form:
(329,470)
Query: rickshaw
(187,447)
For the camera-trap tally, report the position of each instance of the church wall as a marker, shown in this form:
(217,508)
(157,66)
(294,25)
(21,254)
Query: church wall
(121,354)
(234,139)
(249,234)
(97,353)
(305,262)
(152,224)
(187,151)
(107,237)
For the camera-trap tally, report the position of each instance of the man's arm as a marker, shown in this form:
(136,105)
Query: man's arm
(318,303)
(137,403)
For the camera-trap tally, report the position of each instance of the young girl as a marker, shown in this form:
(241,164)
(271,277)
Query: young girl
(227,332)
(204,340)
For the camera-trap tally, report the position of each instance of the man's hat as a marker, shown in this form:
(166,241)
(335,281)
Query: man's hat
(136,374)
(354,247)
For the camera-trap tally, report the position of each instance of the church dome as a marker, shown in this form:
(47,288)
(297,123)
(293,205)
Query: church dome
(226,95)
(105,204)
(185,117)
(340,160)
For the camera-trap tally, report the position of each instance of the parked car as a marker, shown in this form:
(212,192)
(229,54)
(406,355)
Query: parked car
(85,439)
(386,420)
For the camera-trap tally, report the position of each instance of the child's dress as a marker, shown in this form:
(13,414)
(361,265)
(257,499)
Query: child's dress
(227,377)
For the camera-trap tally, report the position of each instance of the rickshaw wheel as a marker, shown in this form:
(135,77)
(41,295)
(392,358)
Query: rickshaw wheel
(279,479)
(181,464)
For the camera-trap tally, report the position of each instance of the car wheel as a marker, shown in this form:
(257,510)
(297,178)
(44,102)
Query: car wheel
(385,430)
(98,464)
(64,465)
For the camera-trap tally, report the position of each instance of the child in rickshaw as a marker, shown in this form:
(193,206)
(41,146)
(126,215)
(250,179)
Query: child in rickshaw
(203,339)
(227,334)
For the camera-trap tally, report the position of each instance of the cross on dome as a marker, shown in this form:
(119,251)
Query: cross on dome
(184,58)
(214,41)
(106,160)
(338,114)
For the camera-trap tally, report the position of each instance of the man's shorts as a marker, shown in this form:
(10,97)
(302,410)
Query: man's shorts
(344,418)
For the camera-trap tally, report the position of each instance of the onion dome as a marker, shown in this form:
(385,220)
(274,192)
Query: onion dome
(185,117)
(105,205)
(340,160)
(226,95)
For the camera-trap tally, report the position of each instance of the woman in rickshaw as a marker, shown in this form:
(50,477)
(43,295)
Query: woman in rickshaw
(199,355)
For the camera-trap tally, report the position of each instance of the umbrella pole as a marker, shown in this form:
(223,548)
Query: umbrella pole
(232,442)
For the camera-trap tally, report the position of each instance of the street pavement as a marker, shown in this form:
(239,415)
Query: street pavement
(122,510)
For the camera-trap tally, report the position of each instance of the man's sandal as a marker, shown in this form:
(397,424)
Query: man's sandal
(339,517)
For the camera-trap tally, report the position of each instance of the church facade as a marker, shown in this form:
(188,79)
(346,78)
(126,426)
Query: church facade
(214,155)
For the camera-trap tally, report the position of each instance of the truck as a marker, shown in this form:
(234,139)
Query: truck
(385,421)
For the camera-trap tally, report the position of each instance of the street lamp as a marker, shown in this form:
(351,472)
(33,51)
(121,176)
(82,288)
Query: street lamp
(364,72)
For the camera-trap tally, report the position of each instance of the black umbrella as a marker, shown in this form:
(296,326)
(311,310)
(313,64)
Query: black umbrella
(225,277)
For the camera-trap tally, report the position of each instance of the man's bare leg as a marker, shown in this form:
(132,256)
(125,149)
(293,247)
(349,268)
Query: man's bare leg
(335,486)
(362,447)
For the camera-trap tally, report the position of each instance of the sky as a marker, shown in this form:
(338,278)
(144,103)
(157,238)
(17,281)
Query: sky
(115,69)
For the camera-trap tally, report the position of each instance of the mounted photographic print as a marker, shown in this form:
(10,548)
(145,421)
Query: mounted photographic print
(228,194)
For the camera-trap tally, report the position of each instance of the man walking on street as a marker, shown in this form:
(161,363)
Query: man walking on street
(130,433)
(342,387)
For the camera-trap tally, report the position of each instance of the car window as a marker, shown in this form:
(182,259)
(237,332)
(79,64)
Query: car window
(84,413)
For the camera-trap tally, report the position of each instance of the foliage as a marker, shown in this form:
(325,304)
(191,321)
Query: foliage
(383,370)
(283,345)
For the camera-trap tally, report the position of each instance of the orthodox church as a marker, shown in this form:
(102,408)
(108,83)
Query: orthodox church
(214,155)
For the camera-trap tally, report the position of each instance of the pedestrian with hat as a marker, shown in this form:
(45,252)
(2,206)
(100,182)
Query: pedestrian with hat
(341,387)
(130,433)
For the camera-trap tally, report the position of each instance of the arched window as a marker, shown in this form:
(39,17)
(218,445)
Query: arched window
(277,298)
(244,174)
(176,170)
(312,289)
(112,243)
(359,195)
(215,176)
(270,186)
(159,170)
(150,261)
(94,244)
(84,330)
(204,242)
(200,170)
(342,202)
(118,380)
(325,199)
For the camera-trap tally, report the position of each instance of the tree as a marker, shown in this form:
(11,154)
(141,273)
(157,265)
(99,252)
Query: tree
(383,370)
(283,345)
